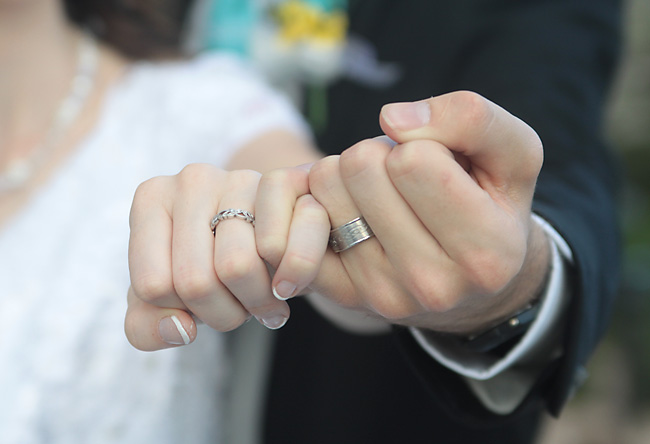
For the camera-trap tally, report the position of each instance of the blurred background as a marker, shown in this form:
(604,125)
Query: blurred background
(614,405)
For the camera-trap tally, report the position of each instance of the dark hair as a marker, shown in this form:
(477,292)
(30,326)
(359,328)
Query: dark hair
(139,29)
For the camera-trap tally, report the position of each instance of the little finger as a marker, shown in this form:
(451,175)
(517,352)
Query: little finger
(306,246)
(274,207)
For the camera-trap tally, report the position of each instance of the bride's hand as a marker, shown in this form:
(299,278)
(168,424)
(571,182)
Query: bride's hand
(179,268)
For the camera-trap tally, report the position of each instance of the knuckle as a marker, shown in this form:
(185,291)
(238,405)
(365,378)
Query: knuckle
(271,248)
(278,176)
(300,263)
(193,286)
(391,309)
(321,174)
(408,159)
(147,192)
(153,185)
(152,288)
(475,108)
(435,294)
(364,155)
(195,173)
(420,155)
(195,178)
(307,202)
(389,303)
(273,179)
(489,271)
(235,267)
(244,177)
(442,300)
(349,300)
(200,175)
(311,209)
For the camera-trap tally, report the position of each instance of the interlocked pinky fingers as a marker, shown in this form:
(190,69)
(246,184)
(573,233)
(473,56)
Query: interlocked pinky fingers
(306,248)
(274,205)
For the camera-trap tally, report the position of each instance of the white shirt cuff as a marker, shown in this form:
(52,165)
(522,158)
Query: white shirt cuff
(502,382)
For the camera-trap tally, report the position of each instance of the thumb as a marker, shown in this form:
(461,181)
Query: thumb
(495,142)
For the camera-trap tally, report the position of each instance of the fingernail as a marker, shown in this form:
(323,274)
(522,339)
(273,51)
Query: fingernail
(172,331)
(284,290)
(273,322)
(408,115)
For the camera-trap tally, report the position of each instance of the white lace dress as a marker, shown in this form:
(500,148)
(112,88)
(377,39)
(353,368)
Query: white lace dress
(67,373)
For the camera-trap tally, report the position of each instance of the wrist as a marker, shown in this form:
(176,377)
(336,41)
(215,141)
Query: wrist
(523,292)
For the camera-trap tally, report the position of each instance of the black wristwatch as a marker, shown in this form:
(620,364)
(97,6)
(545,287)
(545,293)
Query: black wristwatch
(513,327)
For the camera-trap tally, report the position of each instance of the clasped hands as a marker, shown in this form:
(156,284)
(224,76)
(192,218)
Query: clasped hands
(455,246)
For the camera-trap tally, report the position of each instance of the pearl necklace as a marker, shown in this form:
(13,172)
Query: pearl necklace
(17,173)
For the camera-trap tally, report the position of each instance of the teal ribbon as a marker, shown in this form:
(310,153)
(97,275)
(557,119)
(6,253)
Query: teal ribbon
(230,22)
(229,25)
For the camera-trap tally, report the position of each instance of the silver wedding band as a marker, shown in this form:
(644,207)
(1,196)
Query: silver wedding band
(231,213)
(350,234)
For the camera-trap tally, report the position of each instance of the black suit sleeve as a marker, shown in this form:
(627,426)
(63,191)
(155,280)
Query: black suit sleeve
(548,62)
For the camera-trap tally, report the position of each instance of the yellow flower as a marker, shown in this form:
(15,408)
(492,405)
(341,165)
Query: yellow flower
(300,21)
(332,28)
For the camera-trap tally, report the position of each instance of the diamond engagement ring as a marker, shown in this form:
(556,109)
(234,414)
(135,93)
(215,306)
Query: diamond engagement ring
(350,234)
(231,213)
